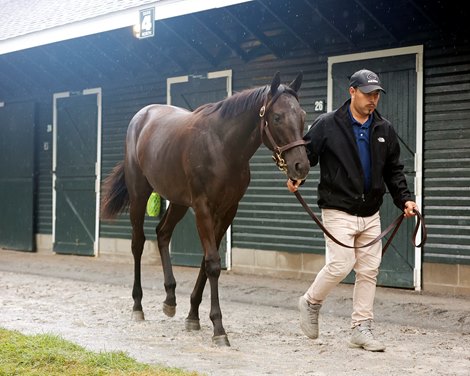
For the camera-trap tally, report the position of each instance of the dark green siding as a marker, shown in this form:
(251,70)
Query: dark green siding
(447,156)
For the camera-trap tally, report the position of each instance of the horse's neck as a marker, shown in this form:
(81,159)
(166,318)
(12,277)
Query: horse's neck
(242,135)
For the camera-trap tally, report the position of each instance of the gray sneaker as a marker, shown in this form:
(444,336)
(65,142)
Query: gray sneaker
(309,317)
(362,337)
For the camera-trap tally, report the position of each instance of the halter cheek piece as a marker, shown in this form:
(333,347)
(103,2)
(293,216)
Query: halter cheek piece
(264,127)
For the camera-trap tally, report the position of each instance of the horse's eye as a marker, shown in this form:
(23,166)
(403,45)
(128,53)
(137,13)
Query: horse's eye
(277,118)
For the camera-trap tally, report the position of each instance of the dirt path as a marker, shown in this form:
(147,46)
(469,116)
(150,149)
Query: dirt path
(88,301)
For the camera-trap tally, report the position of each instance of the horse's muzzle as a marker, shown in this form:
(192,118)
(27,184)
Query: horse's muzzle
(294,162)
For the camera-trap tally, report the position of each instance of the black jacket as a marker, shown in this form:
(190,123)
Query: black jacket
(333,144)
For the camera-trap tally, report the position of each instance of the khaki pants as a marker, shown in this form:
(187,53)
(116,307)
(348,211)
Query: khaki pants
(354,231)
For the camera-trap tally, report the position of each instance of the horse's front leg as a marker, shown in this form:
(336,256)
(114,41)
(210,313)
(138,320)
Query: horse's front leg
(213,268)
(211,232)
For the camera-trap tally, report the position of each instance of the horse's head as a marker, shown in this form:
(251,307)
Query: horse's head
(282,127)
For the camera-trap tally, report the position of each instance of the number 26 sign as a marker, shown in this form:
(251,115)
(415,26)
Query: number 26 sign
(319,106)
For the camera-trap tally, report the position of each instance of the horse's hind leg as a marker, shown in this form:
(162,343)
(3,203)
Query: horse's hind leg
(164,231)
(192,321)
(137,214)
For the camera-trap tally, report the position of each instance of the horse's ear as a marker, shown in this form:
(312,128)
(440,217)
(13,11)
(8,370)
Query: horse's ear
(295,85)
(275,83)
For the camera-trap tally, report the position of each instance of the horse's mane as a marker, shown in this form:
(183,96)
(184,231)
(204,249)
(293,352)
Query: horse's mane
(237,103)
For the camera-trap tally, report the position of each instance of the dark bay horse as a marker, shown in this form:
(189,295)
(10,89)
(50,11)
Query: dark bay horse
(200,160)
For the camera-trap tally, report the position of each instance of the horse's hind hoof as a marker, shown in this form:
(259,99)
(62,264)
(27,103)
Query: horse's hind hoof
(169,310)
(221,341)
(138,316)
(192,324)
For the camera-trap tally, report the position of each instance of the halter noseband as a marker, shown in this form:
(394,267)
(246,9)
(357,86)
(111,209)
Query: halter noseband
(264,127)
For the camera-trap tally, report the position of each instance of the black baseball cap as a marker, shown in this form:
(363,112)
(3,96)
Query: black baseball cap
(366,80)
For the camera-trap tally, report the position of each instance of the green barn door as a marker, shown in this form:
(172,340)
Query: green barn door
(17,176)
(76,132)
(191,92)
(398,75)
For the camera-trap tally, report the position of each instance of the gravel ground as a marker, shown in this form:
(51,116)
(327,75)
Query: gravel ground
(88,301)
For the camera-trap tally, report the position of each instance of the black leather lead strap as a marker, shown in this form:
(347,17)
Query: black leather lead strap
(395,225)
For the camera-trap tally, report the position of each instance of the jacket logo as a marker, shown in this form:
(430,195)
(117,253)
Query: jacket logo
(381,139)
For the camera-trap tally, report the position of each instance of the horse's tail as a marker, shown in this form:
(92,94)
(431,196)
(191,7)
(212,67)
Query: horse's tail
(115,196)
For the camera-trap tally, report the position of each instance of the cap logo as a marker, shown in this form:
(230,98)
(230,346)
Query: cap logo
(372,78)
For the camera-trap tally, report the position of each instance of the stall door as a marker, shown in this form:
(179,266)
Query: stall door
(17,176)
(398,75)
(75,172)
(190,92)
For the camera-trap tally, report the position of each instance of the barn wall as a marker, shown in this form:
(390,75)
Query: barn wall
(447,155)
(446,198)
(270,222)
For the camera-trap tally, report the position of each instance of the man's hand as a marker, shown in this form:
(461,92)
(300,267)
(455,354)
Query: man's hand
(293,185)
(410,207)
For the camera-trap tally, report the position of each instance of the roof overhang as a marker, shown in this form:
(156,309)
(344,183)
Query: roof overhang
(101,23)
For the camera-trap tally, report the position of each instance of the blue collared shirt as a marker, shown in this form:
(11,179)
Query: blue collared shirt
(361,131)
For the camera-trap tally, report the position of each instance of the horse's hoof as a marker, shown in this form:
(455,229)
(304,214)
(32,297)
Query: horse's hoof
(169,310)
(221,341)
(138,316)
(192,324)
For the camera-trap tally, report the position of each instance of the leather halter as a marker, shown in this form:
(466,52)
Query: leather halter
(264,127)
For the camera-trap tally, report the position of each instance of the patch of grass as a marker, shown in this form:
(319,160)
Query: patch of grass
(50,355)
